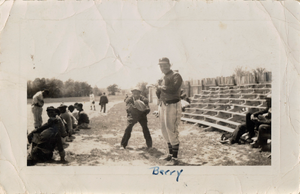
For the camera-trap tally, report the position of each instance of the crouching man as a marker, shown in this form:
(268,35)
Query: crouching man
(137,109)
(44,140)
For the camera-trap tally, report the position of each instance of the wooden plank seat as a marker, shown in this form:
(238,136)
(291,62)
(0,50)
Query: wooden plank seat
(225,95)
(249,96)
(237,101)
(238,118)
(247,91)
(210,106)
(235,91)
(201,122)
(235,96)
(238,109)
(262,91)
(260,85)
(249,107)
(205,97)
(223,107)
(253,102)
(215,96)
(262,96)
(229,112)
(198,105)
(206,92)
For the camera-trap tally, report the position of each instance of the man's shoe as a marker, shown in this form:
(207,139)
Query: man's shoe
(172,162)
(166,158)
(123,147)
(255,145)
(249,140)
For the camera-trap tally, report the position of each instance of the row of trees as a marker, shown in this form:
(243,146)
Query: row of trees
(71,88)
(113,89)
(57,88)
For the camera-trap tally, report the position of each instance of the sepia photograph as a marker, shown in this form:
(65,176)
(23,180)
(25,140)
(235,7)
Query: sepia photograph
(149,91)
(183,93)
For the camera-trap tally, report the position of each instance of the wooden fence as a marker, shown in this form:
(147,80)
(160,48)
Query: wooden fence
(193,87)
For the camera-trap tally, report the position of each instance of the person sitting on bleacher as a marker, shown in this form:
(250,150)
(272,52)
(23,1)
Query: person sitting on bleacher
(264,129)
(260,120)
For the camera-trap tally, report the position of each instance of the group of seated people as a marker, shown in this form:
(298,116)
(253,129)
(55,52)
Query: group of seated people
(63,122)
(257,122)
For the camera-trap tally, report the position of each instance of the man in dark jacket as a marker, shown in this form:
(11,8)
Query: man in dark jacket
(137,109)
(44,140)
(103,102)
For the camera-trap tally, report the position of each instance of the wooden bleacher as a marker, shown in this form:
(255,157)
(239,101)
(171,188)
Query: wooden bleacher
(225,107)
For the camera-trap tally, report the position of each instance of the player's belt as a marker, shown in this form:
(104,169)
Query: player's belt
(167,102)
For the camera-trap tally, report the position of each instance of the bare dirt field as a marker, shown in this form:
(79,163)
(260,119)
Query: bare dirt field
(100,145)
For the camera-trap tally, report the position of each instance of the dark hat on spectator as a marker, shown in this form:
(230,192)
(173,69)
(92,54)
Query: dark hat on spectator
(51,108)
(80,105)
(62,106)
(136,89)
(164,60)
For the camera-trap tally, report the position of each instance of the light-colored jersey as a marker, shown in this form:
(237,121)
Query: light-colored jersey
(92,97)
(38,99)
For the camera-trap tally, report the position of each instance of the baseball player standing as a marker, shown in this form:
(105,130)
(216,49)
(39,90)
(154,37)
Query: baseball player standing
(169,109)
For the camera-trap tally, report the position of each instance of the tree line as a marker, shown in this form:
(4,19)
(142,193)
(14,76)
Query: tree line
(58,88)
(71,88)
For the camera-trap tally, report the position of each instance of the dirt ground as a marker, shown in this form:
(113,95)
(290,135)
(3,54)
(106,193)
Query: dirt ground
(100,145)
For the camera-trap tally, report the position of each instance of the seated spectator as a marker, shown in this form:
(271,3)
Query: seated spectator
(44,140)
(65,115)
(75,112)
(64,127)
(74,120)
(83,118)
(260,120)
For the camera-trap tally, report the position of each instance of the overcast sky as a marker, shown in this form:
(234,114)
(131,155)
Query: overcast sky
(121,42)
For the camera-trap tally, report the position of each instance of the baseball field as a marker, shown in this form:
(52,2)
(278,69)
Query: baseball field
(100,145)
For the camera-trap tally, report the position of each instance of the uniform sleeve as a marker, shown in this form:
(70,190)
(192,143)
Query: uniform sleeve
(173,88)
